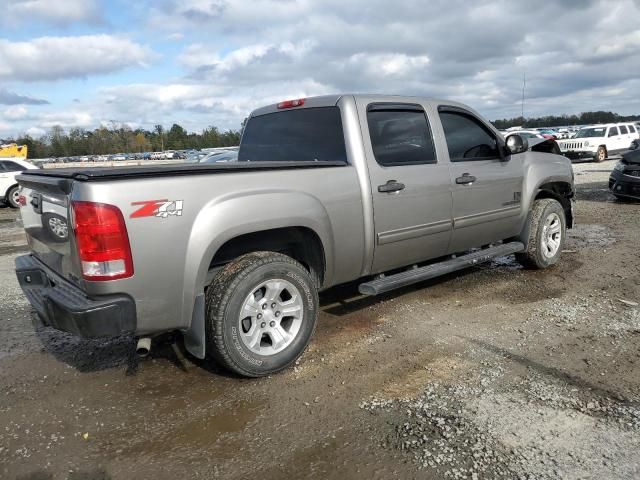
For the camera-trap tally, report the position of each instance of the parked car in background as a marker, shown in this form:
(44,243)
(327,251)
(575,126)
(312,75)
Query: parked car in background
(195,157)
(635,144)
(325,190)
(547,133)
(9,168)
(599,141)
(624,181)
(523,133)
(220,157)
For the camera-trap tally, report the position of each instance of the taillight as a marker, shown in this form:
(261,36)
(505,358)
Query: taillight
(22,201)
(102,241)
(291,103)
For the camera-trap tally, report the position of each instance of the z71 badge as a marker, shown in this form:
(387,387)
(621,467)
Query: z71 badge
(158,208)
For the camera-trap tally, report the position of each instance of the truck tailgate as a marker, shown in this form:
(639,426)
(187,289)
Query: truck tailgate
(44,207)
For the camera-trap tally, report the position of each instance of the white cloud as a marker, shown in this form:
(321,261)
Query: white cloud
(65,119)
(35,132)
(57,12)
(237,55)
(16,112)
(53,58)
(389,64)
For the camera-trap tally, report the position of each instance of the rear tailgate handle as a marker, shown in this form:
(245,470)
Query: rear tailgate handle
(391,186)
(465,179)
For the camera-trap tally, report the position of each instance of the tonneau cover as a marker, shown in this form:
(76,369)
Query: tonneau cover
(124,172)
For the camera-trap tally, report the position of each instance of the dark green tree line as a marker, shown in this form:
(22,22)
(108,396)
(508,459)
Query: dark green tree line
(585,118)
(117,138)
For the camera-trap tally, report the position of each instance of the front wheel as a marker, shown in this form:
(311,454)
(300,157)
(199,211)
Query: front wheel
(601,154)
(547,231)
(261,311)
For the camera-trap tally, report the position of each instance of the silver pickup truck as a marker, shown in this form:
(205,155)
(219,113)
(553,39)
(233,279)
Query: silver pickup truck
(388,189)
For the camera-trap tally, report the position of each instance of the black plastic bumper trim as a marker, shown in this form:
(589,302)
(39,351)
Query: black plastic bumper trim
(64,306)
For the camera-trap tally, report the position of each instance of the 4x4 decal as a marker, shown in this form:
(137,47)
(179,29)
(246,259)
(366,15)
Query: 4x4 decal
(158,208)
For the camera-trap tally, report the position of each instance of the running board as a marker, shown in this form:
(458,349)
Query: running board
(408,277)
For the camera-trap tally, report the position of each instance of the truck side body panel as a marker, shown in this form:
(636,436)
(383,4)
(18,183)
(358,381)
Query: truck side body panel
(172,255)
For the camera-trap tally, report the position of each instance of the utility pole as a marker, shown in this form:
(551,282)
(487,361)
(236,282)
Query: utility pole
(524,84)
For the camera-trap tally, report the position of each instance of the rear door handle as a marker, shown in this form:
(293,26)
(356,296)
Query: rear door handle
(465,179)
(391,186)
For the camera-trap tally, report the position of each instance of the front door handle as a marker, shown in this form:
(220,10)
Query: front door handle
(465,179)
(391,186)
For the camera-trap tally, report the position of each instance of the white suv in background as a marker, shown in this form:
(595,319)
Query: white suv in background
(599,141)
(9,168)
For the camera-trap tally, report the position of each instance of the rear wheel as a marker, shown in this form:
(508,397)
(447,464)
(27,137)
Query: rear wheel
(261,313)
(547,230)
(13,196)
(601,154)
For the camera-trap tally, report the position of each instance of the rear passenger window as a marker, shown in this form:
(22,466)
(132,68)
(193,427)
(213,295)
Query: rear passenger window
(400,135)
(467,138)
(12,166)
(613,131)
(632,129)
(623,130)
(304,135)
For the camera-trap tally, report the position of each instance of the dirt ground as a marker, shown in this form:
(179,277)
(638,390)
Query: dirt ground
(495,372)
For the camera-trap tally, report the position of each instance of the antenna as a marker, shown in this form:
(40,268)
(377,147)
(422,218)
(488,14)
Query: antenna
(524,85)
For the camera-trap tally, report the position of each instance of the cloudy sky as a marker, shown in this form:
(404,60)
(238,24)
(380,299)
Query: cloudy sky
(209,62)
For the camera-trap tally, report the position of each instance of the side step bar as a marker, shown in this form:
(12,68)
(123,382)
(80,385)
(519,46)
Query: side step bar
(408,277)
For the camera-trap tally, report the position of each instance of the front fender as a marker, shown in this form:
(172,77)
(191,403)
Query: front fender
(230,216)
(540,169)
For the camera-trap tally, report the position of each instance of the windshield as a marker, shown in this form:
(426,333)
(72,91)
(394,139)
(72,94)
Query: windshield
(591,132)
(306,135)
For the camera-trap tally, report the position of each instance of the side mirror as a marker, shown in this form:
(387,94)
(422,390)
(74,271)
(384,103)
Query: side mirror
(517,144)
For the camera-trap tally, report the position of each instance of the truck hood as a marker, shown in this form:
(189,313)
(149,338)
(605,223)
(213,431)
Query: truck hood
(544,145)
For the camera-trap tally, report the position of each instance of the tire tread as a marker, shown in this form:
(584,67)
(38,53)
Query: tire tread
(530,257)
(218,296)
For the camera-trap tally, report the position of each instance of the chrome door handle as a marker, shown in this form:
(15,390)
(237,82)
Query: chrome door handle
(391,186)
(465,179)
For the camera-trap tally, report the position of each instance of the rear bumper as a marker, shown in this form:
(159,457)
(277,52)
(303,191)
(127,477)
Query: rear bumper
(624,185)
(64,306)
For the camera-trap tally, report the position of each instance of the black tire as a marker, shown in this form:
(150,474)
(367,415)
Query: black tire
(534,257)
(601,154)
(226,297)
(55,234)
(10,198)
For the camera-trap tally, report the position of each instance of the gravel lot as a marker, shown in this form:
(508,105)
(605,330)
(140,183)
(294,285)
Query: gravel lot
(495,372)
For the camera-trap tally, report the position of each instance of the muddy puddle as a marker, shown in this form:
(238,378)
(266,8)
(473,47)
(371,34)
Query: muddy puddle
(589,235)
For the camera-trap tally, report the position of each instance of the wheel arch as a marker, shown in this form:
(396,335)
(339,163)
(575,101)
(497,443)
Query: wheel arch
(298,242)
(237,224)
(557,187)
(560,191)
